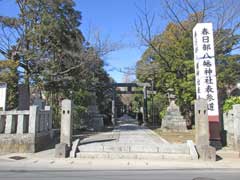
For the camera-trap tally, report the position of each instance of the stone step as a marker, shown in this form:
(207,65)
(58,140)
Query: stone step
(121,148)
(152,156)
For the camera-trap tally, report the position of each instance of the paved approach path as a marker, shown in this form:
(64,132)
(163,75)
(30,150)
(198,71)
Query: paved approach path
(126,140)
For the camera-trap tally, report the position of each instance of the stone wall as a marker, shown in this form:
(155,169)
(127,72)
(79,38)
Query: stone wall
(231,121)
(25,131)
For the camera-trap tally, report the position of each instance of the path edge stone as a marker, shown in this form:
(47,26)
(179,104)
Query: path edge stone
(192,150)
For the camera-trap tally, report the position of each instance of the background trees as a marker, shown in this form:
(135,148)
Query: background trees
(46,50)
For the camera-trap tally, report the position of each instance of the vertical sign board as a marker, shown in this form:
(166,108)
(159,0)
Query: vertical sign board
(3,95)
(205,73)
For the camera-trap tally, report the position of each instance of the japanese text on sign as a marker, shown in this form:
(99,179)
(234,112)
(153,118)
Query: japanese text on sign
(205,71)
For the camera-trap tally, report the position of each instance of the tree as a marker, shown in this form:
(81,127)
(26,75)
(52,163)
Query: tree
(47,44)
(171,50)
(175,65)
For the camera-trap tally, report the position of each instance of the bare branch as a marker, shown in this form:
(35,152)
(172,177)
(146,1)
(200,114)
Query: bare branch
(193,10)
(174,14)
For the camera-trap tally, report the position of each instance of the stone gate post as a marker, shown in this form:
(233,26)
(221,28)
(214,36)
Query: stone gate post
(201,122)
(66,122)
(62,150)
(205,151)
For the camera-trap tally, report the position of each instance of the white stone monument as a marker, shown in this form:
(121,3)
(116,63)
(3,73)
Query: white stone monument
(205,74)
(3,95)
(205,70)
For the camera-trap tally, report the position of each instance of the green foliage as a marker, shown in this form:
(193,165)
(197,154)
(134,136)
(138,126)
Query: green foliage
(162,113)
(228,63)
(230,102)
(160,102)
(174,65)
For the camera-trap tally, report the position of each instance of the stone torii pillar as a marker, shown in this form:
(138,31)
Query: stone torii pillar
(145,118)
(113,107)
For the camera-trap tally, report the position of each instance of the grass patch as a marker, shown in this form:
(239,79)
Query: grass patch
(176,137)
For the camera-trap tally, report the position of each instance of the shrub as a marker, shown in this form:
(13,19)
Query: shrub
(230,102)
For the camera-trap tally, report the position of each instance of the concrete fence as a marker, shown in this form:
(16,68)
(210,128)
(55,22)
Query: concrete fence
(25,131)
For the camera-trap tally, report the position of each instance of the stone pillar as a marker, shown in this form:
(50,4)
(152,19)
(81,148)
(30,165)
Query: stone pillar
(62,150)
(10,124)
(236,125)
(205,151)
(33,119)
(113,107)
(22,124)
(145,118)
(66,122)
(201,122)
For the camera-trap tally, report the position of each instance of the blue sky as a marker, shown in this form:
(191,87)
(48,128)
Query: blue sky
(112,18)
(115,18)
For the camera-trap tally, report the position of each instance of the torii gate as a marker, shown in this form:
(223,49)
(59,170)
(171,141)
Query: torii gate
(129,91)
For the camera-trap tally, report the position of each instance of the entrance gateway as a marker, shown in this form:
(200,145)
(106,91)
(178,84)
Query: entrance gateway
(130,91)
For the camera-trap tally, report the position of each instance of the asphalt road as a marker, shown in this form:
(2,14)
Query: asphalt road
(123,175)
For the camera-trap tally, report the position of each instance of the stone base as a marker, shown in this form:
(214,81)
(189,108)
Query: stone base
(206,153)
(170,123)
(62,150)
(13,143)
(24,143)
